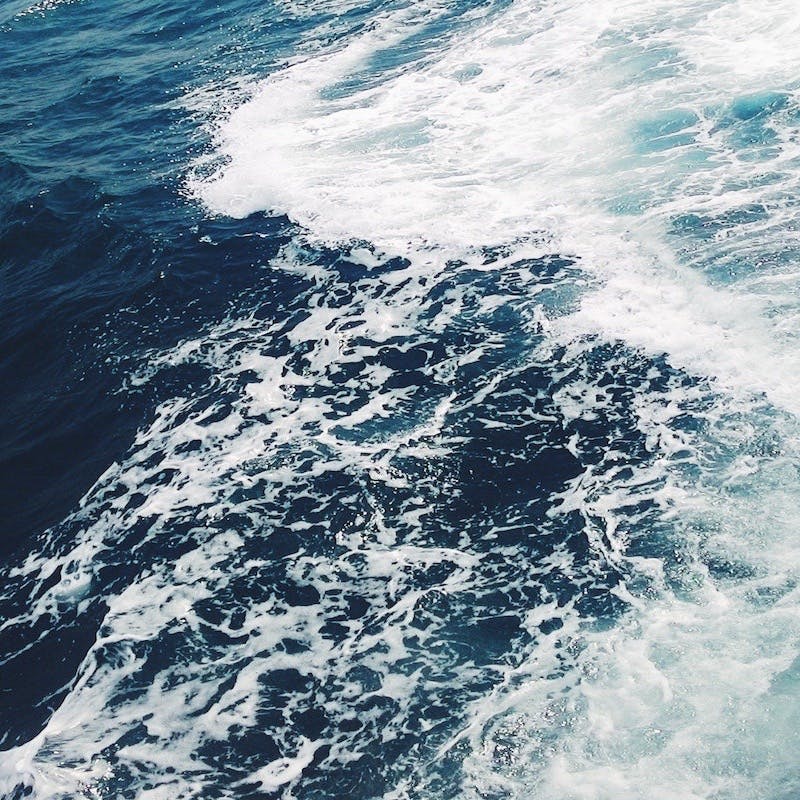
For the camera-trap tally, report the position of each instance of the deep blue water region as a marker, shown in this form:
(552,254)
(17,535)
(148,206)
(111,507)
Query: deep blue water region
(98,254)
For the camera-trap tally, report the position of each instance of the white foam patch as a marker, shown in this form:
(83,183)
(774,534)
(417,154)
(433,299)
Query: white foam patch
(556,117)
(42,7)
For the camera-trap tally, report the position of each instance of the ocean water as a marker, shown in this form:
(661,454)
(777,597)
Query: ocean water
(400,399)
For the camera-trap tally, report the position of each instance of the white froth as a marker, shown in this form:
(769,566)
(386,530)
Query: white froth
(550,118)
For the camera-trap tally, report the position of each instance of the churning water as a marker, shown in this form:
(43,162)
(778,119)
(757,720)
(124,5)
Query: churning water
(401,399)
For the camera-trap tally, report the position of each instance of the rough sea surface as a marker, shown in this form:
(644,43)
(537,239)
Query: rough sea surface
(400,400)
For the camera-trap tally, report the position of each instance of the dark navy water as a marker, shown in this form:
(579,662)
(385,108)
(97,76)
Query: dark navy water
(398,400)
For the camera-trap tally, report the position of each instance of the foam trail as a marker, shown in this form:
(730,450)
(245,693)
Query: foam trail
(557,118)
(659,144)
(374,583)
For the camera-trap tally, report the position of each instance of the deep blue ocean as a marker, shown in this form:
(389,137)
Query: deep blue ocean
(400,399)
